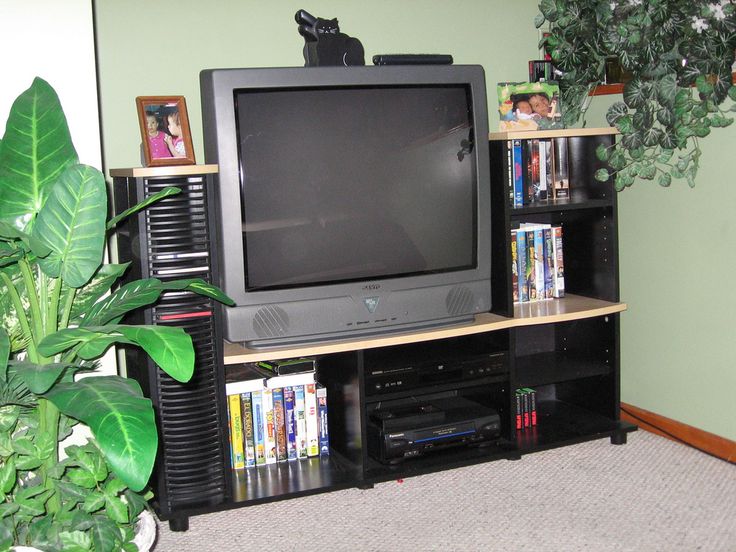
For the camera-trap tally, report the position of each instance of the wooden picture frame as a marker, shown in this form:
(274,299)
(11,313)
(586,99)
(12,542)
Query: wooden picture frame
(161,118)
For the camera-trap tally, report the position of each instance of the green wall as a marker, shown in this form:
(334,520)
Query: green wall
(676,245)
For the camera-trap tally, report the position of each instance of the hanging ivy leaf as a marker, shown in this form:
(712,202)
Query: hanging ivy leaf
(615,112)
(718,120)
(636,93)
(652,136)
(632,141)
(667,90)
(602,175)
(665,155)
(664,180)
(637,153)
(703,85)
(624,125)
(602,152)
(665,117)
(617,160)
(643,118)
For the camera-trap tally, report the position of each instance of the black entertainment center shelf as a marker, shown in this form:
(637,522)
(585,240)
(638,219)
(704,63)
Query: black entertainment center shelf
(290,479)
(571,307)
(556,367)
(561,423)
(560,205)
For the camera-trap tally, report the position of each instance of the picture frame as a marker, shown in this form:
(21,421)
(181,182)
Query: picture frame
(515,101)
(165,134)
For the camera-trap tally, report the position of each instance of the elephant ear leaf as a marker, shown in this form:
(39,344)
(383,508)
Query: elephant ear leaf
(72,225)
(36,149)
(120,419)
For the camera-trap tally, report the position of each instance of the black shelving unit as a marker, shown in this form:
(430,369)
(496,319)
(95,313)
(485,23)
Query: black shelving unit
(566,349)
(573,365)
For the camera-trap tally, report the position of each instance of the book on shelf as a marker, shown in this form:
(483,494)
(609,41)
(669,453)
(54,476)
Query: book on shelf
(235,421)
(275,418)
(538,170)
(324,432)
(539,262)
(560,169)
(559,263)
(290,423)
(269,426)
(548,259)
(246,408)
(258,427)
(522,265)
(279,417)
(514,268)
(312,420)
(518,164)
(301,422)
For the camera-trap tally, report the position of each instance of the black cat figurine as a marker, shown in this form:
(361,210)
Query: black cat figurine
(324,44)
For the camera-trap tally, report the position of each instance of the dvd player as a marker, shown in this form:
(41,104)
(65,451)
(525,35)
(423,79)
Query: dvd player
(400,374)
(423,426)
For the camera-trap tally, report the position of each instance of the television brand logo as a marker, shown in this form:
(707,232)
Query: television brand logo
(371,303)
(371,287)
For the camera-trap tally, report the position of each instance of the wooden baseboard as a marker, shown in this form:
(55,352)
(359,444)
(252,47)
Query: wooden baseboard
(677,431)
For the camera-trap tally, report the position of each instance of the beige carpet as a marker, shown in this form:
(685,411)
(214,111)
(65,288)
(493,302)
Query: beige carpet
(648,495)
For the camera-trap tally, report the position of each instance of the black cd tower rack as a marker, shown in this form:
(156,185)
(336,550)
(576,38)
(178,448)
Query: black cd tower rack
(172,239)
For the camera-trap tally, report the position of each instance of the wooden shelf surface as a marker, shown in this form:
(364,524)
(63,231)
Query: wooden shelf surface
(571,307)
(170,170)
(558,133)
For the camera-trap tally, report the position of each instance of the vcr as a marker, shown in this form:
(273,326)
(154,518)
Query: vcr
(420,426)
(399,374)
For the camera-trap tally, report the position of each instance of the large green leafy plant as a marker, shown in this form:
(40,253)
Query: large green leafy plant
(679,53)
(57,320)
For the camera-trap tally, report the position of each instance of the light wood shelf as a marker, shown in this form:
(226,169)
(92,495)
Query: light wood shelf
(170,170)
(571,307)
(552,133)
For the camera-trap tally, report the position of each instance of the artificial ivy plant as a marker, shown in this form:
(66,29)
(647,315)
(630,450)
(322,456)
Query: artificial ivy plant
(679,54)
(57,318)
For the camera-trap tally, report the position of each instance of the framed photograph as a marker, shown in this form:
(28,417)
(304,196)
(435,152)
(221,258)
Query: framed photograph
(529,106)
(165,132)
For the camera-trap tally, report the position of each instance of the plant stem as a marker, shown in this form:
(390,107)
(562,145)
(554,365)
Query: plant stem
(48,424)
(30,283)
(52,316)
(68,303)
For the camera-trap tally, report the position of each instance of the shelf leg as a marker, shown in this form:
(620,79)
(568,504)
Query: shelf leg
(618,438)
(179,525)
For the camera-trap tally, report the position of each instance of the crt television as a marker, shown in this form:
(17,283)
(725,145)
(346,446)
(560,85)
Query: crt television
(352,201)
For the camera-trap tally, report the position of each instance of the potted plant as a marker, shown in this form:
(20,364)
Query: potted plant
(679,55)
(58,319)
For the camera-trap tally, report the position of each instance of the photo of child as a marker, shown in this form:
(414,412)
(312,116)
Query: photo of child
(174,139)
(156,136)
(529,106)
(164,126)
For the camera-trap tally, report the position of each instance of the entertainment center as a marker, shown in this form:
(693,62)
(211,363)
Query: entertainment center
(567,349)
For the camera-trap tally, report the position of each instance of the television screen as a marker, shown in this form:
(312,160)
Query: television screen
(341,184)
